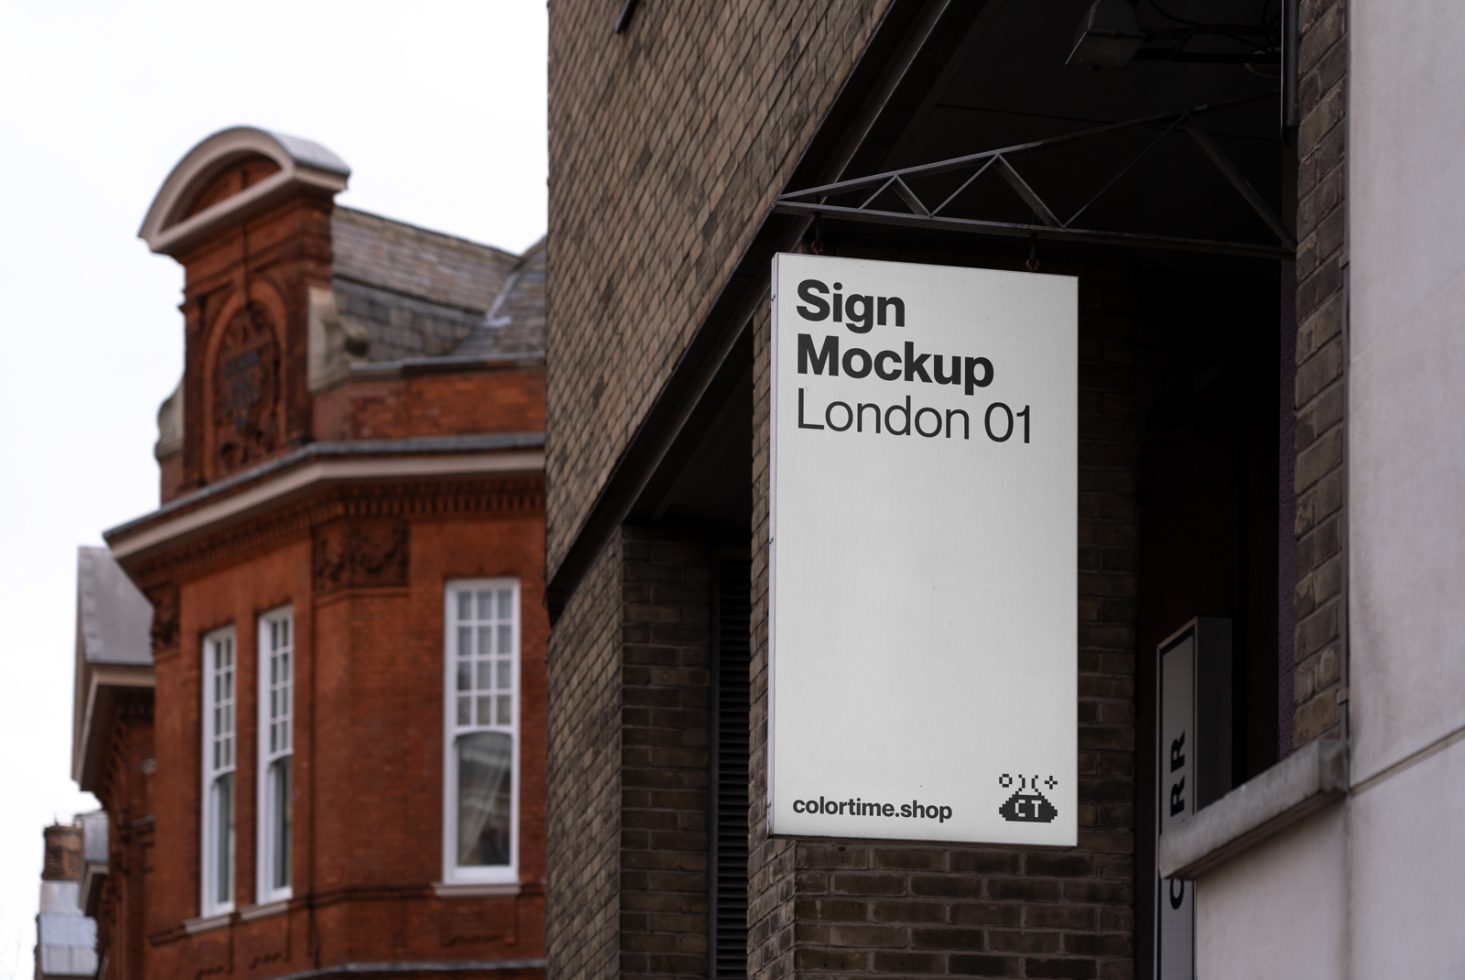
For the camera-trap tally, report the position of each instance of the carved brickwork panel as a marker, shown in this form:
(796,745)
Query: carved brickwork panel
(360,556)
(165,617)
(246,391)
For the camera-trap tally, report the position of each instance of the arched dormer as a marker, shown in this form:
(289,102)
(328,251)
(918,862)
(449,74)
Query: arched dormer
(247,213)
(231,175)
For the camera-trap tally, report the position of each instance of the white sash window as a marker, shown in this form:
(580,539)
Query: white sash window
(276,745)
(481,737)
(218,772)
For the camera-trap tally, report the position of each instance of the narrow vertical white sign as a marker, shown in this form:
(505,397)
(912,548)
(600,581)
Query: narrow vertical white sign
(1176,772)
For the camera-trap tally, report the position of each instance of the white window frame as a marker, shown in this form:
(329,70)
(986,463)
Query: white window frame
(273,710)
(218,713)
(452,871)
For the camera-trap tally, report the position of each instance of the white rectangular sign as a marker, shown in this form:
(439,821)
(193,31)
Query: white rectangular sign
(923,549)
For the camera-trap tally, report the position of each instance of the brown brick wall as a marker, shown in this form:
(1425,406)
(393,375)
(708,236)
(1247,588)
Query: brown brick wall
(582,932)
(1320,682)
(818,907)
(663,141)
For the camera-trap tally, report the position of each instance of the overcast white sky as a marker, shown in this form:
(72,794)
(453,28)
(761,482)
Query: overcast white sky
(438,107)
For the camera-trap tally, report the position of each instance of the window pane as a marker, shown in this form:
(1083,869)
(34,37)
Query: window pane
(485,675)
(485,610)
(485,711)
(504,712)
(505,681)
(280,779)
(465,605)
(465,675)
(485,792)
(465,641)
(505,603)
(224,838)
(485,640)
(464,707)
(504,646)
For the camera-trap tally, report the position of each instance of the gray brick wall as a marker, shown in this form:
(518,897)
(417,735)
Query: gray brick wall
(629,767)
(664,142)
(583,903)
(771,862)
(666,587)
(653,177)
(1320,684)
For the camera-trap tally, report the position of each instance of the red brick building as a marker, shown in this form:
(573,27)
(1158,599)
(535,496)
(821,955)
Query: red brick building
(328,753)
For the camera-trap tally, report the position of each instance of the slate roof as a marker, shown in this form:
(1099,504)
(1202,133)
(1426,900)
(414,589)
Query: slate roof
(422,294)
(114,619)
(515,322)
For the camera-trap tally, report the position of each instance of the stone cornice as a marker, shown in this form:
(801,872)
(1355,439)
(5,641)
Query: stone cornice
(283,497)
(227,540)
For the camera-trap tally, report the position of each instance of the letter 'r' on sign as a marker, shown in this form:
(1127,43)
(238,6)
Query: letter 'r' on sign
(919,414)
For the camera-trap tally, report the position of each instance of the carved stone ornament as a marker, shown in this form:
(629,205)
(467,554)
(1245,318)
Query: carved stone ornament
(360,556)
(165,617)
(246,390)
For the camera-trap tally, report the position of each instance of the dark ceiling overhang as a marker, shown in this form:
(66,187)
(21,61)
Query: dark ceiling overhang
(944,80)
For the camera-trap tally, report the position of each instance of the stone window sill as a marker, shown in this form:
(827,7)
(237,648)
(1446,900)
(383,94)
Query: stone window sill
(1301,784)
(206,923)
(252,912)
(472,889)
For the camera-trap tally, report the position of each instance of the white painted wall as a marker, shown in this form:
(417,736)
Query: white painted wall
(1407,848)
(1406,471)
(1406,484)
(1371,888)
(1279,909)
